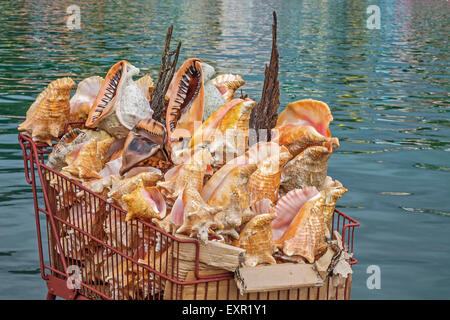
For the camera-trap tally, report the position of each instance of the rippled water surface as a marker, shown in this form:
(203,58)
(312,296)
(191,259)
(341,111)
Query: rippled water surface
(388,91)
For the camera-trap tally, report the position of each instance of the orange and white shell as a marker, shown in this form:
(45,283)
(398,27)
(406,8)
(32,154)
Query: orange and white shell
(330,196)
(232,135)
(233,180)
(190,173)
(227,130)
(298,138)
(309,168)
(121,187)
(232,194)
(145,203)
(262,150)
(287,208)
(71,140)
(228,84)
(48,115)
(86,162)
(208,128)
(307,112)
(120,103)
(198,216)
(306,234)
(254,155)
(215,184)
(84,97)
(265,181)
(256,239)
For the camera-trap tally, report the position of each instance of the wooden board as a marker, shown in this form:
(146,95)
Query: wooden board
(277,277)
(213,253)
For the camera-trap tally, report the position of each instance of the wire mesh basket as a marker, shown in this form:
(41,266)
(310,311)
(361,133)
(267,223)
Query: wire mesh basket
(93,253)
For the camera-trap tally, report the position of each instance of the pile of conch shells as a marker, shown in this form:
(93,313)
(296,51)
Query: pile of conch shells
(195,172)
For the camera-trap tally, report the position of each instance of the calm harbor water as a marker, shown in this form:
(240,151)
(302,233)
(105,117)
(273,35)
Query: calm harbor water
(387,88)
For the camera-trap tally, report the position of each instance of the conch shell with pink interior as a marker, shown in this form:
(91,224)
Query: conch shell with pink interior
(145,203)
(307,112)
(84,97)
(194,216)
(304,234)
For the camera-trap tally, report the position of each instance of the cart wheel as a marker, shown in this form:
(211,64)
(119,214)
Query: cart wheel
(50,296)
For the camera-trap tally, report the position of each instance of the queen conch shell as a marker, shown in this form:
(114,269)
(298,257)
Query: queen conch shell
(121,187)
(197,216)
(287,208)
(86,163)
(228,84)
(227,130)
(256,239)
(231,137)
(230,180)
(206,131)
(120,103)
(187,99)
(298,138)
(233,195)
(216,183)
(101,186)
(47,116)
(146,139)
(309,168)
(190,173)
(306,234)
(254,155)
(330,196)
(265,181)
(84,97)
(71,140)
(145,203)
(307,112)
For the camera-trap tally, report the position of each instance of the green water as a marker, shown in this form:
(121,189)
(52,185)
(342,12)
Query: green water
(387,88)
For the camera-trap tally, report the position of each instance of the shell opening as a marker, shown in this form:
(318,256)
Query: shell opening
(188,89)
(107,94)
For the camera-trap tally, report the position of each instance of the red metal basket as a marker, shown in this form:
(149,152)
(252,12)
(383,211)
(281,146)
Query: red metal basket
(93,253)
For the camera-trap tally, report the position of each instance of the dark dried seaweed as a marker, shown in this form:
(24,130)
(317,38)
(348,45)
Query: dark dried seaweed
(166,72)
(265,115)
